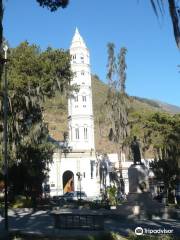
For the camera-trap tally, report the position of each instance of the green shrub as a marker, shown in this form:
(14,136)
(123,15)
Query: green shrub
(112,195)
(21,202)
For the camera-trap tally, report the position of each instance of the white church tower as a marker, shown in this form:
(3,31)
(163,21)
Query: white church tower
(80,112)
(77,170)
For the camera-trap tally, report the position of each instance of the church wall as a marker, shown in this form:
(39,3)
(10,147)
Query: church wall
(78,164)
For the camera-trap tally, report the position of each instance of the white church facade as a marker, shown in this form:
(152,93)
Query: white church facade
(78,169)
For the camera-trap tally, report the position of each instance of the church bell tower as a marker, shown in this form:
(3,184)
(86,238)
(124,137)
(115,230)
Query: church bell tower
(80,110)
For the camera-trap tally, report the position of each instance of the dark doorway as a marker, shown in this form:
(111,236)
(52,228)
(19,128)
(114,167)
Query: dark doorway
(68,181)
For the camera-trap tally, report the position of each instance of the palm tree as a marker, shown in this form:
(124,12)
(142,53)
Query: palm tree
(174,12)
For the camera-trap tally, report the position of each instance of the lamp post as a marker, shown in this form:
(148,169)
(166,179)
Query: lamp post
(80,175)
(5,48)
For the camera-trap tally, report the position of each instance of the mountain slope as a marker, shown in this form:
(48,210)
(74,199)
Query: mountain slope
(169,107)
(161,105)
(55,114)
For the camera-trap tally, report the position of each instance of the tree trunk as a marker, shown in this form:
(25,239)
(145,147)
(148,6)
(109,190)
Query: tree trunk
(119,151)
(1,37)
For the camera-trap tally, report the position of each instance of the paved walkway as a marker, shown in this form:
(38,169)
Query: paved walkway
(41,223)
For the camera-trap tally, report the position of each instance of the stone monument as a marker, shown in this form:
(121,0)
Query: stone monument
(139,200)
(138,179)
(138,172)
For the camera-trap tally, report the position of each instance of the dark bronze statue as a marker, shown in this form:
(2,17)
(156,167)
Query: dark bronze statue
(136,151)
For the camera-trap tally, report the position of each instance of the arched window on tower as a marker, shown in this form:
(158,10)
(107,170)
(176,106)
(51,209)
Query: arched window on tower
(77,132)
(85,133)
(84,98)
(73,58)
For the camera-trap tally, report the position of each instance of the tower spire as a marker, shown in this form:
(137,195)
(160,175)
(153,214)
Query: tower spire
(80,111)
(76,31)
(77,40)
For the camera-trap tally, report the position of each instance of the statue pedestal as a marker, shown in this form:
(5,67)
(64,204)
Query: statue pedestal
(138,178)
(139,200)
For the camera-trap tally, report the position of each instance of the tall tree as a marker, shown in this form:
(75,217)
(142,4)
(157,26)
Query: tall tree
(33,76)
(122,69)
(160,132)
(117,100)
(166,165)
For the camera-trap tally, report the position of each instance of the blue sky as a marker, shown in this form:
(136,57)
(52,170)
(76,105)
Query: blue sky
(152,56)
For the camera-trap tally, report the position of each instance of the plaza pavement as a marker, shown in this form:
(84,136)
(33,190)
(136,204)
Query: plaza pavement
(41,223)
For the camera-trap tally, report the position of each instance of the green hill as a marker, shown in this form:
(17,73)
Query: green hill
(55,114)
(161,105)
